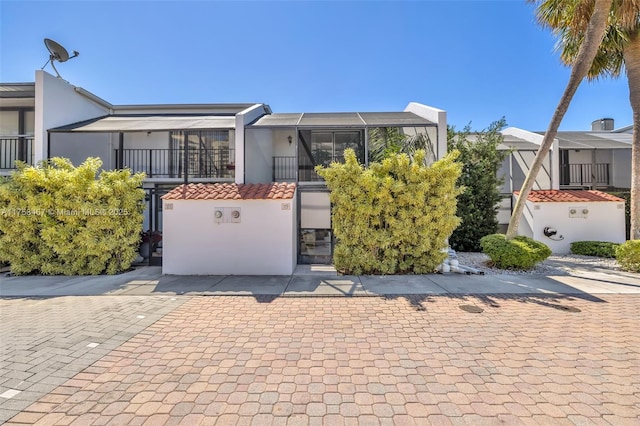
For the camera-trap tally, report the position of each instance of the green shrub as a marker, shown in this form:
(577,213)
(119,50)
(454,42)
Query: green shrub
(478,204)
(628,255)
(520,253)
(393,217)
(594,248)
(58,219)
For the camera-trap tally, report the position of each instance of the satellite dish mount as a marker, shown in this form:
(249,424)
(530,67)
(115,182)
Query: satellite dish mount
(57,53)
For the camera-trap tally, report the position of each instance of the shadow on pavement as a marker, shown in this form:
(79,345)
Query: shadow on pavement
(556,301)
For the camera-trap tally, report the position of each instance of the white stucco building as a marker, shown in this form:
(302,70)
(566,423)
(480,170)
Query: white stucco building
(225,144)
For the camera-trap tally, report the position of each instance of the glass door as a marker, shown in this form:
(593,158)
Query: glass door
(315,239)
(323,147)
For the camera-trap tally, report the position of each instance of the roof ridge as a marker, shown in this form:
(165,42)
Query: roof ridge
(232,191)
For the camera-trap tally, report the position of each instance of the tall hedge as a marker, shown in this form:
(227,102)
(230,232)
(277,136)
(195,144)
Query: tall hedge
(58,219)
(478,204)
(393,217)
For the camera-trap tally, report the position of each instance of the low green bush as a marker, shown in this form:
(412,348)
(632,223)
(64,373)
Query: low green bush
(594,248)
(519,253)
(628,255)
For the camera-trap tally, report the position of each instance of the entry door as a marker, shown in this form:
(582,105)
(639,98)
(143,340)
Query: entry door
(315,239)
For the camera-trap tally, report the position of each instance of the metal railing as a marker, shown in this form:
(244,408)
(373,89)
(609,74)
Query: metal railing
(306,168)
(580,174)
(284,169)
(169,163)
(15,148)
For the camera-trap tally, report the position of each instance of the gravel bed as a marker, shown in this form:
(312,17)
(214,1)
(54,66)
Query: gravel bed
(554,265)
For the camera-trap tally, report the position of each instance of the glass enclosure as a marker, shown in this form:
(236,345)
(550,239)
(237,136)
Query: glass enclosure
(210,153)
(322,147)
(385,140)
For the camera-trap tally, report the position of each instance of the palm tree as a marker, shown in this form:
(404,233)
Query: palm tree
(593,17)
(619,49)
(386,141)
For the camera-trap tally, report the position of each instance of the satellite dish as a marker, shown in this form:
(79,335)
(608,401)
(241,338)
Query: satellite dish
(57,53)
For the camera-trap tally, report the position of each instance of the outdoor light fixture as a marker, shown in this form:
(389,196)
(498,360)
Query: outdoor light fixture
(289,138)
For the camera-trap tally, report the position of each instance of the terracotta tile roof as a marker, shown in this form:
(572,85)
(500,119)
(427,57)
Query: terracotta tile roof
(232,191)
(569,196)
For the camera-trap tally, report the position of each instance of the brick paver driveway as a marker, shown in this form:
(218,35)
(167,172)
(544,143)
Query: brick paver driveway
(370,360)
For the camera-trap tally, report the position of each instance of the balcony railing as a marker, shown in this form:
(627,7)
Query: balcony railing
(15,148)
(284,169)
(169,163)
(580,174)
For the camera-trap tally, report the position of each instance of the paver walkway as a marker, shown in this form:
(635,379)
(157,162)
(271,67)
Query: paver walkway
(526,359)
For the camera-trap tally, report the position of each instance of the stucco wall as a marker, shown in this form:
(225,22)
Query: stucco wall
(437,116)
(585,156)
(57,104)
(263,243)
(78,146)
(242,119)
(621,168)
(142,140)
(258,156)
(604,222)
(281,145)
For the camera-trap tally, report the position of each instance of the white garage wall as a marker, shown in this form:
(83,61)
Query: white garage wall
(263,243)
(604,222)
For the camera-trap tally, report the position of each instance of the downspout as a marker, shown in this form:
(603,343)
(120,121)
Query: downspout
(297,165)
(366,146)
(186,158)
(120,159)
(594,178)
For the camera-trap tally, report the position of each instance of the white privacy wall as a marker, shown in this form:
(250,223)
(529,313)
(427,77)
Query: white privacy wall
(263,243)
(603,222)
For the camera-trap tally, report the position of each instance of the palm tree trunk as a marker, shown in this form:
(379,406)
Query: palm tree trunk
(631,53)
(588,50)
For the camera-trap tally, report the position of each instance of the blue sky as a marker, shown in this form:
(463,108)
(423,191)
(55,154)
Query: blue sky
(478,60)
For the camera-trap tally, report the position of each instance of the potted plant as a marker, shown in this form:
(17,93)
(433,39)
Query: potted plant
(149,237)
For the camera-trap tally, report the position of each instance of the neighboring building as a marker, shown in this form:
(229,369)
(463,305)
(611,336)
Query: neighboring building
(17,120)
(573,157)
(203,143)
(571,160)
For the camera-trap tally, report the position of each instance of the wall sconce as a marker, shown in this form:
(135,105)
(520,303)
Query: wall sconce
(289,138)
